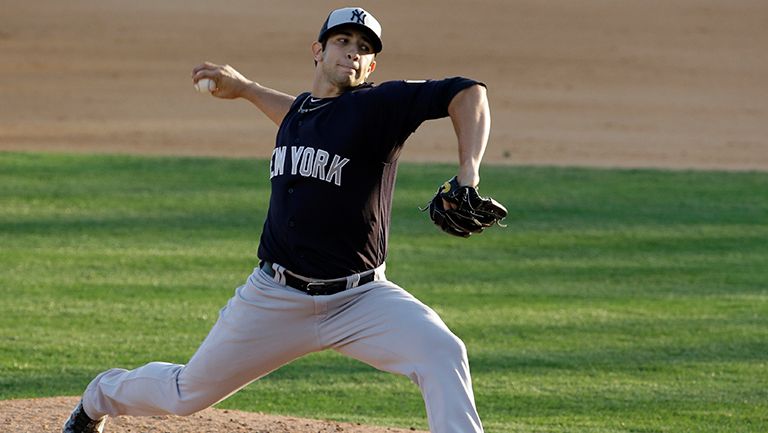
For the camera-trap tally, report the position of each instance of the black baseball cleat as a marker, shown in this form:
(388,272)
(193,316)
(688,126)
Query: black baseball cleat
(80,422)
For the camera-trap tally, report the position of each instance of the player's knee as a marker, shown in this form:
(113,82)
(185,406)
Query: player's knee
(188,408)
(448,350)
(192,404)
(194,395)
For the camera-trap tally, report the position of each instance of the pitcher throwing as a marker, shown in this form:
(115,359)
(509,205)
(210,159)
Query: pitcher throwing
(321,282)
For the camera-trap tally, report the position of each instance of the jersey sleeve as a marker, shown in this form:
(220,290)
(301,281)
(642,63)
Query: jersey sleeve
(414,102)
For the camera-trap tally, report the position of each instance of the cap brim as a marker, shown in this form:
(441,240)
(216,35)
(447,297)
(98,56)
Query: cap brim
(373,38)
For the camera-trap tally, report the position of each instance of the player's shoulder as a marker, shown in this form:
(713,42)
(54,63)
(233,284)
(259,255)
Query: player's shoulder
(400,84)
(387,89)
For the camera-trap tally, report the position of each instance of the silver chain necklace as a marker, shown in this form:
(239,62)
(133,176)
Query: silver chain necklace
(307,110)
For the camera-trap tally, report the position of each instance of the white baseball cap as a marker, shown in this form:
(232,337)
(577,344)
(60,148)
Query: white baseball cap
(356,17)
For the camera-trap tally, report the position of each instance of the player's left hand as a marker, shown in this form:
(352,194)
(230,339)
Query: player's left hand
(461,211)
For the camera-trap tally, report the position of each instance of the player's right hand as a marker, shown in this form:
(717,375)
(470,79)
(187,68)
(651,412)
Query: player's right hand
(230,83)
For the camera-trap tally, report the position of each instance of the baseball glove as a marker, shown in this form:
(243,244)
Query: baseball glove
(467,213)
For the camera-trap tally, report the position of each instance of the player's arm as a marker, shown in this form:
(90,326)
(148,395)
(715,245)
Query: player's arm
(471,117)
(231,84)
(457,207)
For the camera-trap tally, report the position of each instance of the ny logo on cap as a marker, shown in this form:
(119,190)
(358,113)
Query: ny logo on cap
(359,15)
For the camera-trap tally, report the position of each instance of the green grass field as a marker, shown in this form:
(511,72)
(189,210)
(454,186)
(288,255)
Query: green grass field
(615,300)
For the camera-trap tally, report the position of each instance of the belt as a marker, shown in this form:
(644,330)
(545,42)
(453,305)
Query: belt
(316,287)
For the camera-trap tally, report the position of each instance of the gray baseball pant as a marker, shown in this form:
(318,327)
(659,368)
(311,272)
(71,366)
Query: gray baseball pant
(266,325)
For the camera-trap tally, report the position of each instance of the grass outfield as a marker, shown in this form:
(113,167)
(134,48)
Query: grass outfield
(615,301)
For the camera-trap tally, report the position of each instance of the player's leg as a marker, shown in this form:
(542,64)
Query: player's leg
(263,326)
(391,330)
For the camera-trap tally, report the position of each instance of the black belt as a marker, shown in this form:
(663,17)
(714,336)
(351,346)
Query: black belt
(315,288)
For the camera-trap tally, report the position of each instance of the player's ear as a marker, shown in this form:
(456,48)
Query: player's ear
(317,51)
(371,68)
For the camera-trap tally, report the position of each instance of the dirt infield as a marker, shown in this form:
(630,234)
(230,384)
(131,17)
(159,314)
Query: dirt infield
(655,83)
(47,415)
(670,83)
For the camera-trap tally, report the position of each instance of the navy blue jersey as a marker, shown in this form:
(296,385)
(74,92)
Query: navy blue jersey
(333,173)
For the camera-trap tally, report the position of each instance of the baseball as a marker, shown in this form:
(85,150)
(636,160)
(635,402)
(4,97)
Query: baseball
(205,85)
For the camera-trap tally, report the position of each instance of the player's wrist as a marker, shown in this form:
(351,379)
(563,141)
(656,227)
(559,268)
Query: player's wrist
(468,177)
(245,88)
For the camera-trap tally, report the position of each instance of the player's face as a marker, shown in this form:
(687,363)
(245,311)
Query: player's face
(348,58)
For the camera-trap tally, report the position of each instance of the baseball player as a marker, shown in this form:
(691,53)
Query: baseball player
(321,282)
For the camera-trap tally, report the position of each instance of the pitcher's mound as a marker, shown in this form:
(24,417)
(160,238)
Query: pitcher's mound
(47,415)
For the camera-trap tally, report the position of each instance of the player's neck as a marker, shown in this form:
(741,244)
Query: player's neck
(324,89)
